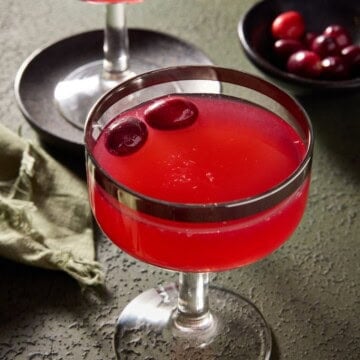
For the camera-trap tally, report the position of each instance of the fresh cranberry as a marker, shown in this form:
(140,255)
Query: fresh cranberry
(325,46)
(285,47)
(351,55)
(173,113)
(305,63)
(288,25)
(334,68)
(339,34)
(125,136)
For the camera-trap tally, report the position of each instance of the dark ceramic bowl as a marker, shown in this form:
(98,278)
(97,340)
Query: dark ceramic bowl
(254,31)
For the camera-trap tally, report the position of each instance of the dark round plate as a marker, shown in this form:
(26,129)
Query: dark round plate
(254,30)
(37,77)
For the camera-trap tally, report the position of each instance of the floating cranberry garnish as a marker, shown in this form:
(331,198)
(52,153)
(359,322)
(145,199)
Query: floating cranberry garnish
(288,25)
(285,47)
(125,136)
(171,113)
(325,46)
(339,34)
(305,63)
(334,68)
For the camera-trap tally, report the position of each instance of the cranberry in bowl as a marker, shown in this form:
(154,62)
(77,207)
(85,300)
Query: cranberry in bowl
(304,46)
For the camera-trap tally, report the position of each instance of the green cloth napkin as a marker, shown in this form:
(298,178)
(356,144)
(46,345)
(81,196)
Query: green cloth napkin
(45,218)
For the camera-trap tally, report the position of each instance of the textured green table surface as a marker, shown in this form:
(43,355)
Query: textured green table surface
(308,290)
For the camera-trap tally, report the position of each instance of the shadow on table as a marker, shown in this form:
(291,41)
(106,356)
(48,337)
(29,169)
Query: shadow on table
(39,308)
(275,354)
(71,158)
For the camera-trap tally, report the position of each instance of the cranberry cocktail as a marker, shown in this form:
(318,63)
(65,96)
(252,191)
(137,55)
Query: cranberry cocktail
(197,169)
(197,149)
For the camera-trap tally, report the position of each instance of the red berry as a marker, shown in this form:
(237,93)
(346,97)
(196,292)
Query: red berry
(305,63)
(285,47)
(125,136)
(334,68)
(339,34)
(351,55)
(288,25)
(325,46)
(168,114)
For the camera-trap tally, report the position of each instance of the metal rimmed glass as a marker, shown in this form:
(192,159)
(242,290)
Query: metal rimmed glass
(191,318)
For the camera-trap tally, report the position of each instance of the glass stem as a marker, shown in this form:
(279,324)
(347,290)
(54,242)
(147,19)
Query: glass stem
(116,41)
(193,303)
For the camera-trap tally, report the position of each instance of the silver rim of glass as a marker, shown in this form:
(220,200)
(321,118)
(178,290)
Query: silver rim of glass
(209,212)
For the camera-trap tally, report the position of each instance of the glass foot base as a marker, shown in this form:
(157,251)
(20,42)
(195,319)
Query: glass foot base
(146,329)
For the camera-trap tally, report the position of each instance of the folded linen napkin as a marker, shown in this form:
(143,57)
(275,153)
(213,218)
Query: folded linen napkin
(45,218)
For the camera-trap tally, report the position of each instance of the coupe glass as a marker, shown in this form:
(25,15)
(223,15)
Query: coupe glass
(78,91)
(192,319)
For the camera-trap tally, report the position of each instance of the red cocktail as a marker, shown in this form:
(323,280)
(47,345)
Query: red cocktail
(232,151)
(197,182)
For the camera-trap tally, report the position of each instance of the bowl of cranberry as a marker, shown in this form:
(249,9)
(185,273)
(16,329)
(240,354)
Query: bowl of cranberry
(310,44)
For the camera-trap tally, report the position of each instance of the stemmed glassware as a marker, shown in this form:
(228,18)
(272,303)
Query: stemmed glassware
(77,92)
(197,182)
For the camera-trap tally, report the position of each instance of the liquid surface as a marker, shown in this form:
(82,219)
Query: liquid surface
(232,151)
